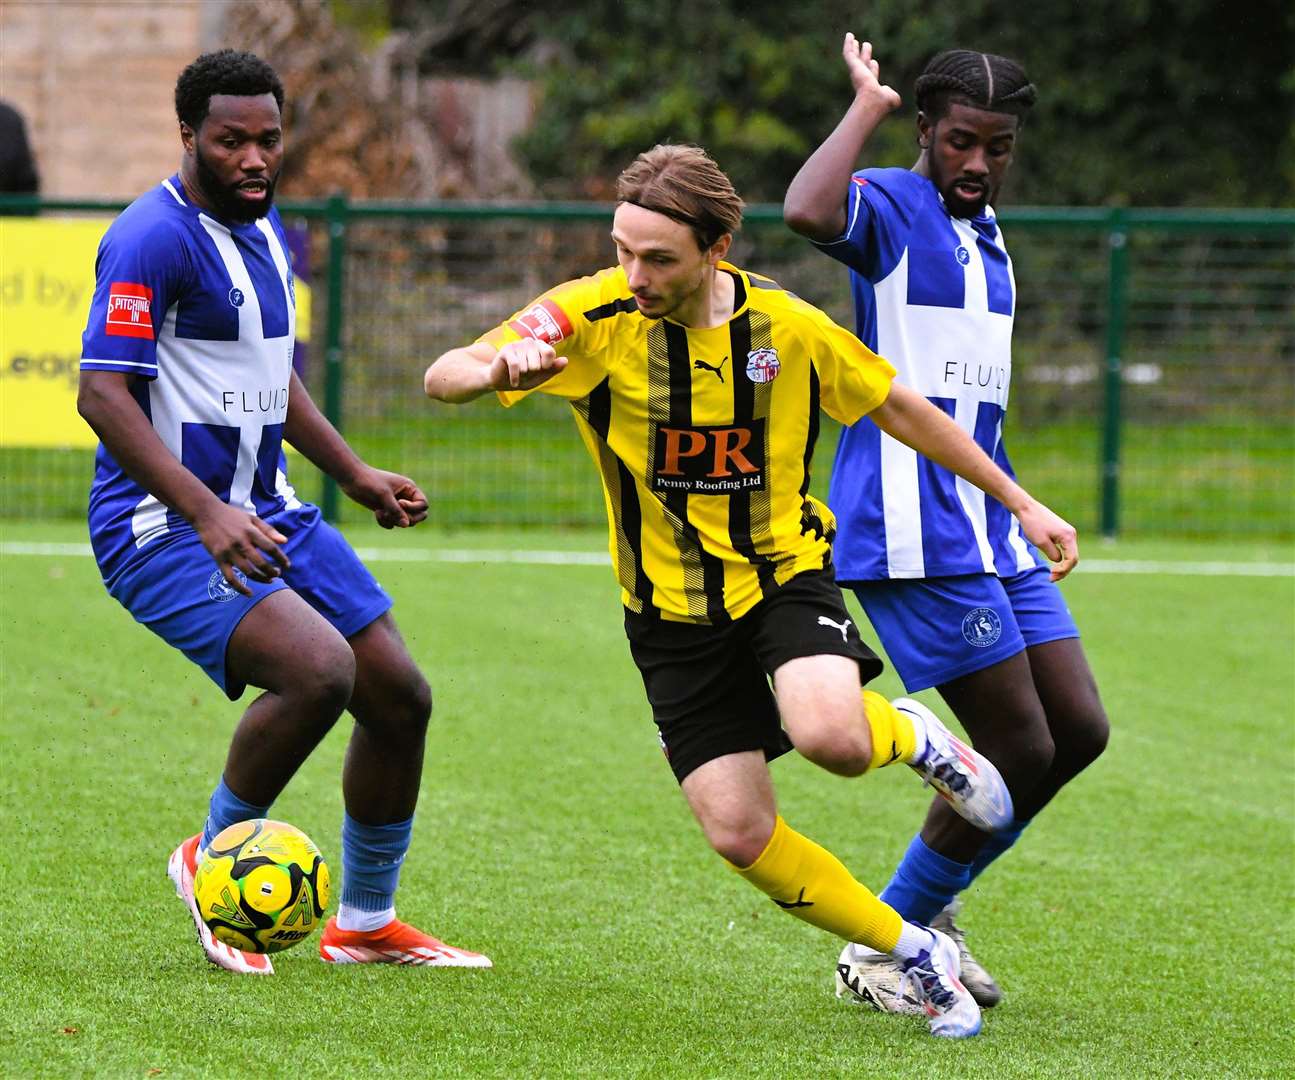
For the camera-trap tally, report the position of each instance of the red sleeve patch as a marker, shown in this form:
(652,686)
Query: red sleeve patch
(543,322)
(130,310)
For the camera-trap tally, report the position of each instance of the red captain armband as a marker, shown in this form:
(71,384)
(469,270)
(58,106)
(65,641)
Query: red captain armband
(544,322)
(130,310)
(862,181)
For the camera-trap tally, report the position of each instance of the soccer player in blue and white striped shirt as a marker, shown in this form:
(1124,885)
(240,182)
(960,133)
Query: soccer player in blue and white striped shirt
(960,600)
(187,378)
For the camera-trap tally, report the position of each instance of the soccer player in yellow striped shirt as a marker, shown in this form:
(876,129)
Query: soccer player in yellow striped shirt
(696,387)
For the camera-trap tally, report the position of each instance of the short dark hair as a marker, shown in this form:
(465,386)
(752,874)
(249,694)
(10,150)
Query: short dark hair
(981,80)
(228,71)
(683,183)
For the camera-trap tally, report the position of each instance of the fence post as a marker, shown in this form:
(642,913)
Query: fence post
(336,216)
(1117,239)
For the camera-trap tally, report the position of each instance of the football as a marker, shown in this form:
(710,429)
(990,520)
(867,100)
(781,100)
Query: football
(262,886)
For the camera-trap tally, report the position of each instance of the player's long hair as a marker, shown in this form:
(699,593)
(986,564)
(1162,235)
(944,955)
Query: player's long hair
(227,71)
(981,80)
(683,183)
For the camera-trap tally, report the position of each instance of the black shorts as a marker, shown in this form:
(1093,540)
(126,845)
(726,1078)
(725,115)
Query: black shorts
(709,685)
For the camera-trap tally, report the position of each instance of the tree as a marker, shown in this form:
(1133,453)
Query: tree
(1142,102)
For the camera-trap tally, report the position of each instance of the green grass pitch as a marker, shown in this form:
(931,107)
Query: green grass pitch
(1143,928)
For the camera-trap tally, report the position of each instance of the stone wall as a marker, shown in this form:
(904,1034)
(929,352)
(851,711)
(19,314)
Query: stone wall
(94,82)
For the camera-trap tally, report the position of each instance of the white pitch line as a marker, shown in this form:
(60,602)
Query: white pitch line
(542,557)
(1192,569)
(485,555)
(16,547)
(441,555)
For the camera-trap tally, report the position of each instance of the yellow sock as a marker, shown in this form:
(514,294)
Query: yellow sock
(893,737)
(809,882)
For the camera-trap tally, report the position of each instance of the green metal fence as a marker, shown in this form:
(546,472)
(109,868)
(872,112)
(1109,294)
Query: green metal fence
(1153,383)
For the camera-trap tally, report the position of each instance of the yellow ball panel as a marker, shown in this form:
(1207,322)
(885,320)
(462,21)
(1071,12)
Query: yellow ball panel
(213,877)
(285,844)
(234,835)
(267,889)
(234,939)
(325,886)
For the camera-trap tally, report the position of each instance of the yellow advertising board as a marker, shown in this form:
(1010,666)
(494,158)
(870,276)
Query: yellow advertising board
(46,282)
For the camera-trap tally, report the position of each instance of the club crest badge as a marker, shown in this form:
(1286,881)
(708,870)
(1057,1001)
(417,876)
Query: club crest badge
(982,627)
(220,590)
(762,365)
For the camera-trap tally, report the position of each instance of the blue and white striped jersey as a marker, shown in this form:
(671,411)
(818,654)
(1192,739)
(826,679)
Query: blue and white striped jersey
(205,314)
(935,296)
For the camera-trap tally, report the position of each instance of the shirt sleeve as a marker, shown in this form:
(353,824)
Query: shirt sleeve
(559,317)
(878,212)
(853,380)
(138,276)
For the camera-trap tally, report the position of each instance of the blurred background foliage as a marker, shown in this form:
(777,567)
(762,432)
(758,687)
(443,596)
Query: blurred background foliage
(1142,102)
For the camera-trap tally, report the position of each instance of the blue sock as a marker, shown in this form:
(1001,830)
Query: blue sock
(924,882)
(371,859)
(227,808)
(996,844)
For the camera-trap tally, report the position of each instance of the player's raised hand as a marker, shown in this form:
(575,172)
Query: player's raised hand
(396,501)
(521,365)
(865,73)
(241,541)
(1052,535)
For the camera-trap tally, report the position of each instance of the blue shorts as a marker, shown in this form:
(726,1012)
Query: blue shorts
(181,596)
(938,629)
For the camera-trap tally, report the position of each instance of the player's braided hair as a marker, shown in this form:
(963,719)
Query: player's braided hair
(981,80)
(227,71)
(683,183)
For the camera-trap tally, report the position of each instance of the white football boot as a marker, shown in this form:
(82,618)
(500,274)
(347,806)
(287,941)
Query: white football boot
(967,779)
(974,976)
(927,985)
(875,979)
(181,867)
(932,978)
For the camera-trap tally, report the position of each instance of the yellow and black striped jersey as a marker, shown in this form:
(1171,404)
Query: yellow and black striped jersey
(703,437)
